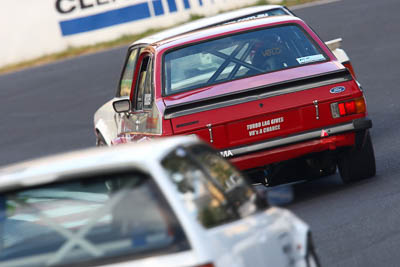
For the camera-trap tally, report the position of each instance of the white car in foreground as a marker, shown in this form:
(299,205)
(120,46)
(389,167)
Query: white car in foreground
(173,202)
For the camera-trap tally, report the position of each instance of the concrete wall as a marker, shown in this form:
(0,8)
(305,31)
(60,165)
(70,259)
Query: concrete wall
(32,28)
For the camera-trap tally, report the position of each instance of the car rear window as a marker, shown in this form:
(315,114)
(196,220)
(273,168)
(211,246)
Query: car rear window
(238,56)
(94,220)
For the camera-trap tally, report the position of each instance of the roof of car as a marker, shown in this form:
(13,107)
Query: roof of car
(214,32)
(203,23)
(51,168)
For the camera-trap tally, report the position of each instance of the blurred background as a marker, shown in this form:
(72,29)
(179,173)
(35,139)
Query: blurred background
(35,28)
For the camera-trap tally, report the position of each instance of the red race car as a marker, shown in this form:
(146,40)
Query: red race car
(266,92)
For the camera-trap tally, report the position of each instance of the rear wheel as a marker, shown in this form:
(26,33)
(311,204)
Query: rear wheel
(359,162)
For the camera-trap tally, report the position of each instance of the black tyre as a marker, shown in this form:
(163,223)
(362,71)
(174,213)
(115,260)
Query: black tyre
(359,162)
(100,140)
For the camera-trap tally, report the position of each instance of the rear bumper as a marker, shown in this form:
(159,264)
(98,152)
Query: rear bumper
(277,150)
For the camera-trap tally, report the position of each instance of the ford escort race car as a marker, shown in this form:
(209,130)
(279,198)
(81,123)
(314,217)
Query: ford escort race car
(266,92)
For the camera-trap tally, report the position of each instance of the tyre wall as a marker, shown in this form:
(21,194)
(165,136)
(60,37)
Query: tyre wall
(34,28)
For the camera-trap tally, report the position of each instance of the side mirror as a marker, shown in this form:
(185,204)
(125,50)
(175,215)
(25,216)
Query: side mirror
(123,105)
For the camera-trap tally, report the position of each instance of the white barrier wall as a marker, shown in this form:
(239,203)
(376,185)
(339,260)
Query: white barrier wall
(32,28)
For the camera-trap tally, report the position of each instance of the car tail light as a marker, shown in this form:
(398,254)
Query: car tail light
(354,106)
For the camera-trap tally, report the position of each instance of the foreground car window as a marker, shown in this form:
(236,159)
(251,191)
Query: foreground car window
(231,181)
(238,56)
(87,221)
(203,198)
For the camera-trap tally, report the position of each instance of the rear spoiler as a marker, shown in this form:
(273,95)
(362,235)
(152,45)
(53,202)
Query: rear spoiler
(253,94)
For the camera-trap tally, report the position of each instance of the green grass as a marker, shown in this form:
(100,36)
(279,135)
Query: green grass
(285,2)
(76,51)
(122,41)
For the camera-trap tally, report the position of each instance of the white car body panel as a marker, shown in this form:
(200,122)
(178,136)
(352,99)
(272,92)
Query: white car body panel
(181,259)
(105,121)
(251,237)
(334,45)
(341,55)
(273,237)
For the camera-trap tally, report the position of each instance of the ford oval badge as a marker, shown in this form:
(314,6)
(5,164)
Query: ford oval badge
(338,89)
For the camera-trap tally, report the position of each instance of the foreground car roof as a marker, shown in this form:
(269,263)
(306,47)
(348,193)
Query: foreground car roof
(203,23)
(52,168)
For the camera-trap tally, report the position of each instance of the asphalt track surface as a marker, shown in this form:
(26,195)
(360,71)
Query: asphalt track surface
(49,109)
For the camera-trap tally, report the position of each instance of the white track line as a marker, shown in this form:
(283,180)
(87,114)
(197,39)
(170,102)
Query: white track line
(318,3)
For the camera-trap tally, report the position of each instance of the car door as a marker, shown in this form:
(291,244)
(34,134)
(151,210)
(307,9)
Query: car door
(143,121)
(107,121)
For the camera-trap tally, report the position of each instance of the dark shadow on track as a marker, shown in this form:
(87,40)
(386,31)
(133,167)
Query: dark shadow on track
(288,194)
